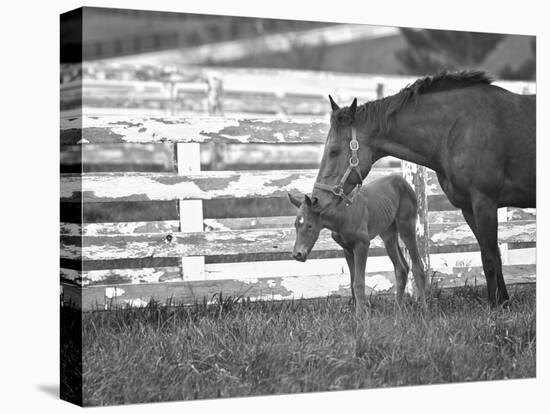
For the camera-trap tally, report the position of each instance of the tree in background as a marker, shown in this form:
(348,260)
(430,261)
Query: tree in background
(433,50)
(526,71)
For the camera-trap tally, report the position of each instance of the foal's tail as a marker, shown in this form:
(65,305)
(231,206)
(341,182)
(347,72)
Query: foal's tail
(408,205)
(400,251)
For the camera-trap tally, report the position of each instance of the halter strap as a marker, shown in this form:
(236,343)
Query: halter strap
(338,189)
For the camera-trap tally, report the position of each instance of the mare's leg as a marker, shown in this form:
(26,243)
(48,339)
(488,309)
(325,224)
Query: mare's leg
(360,254)
(483,221)
(407,231)
(400,266)
(348,254)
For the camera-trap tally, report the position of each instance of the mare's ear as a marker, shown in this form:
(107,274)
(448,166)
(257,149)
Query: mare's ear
(333,104)
(307,201)
(294,200)
(353,109)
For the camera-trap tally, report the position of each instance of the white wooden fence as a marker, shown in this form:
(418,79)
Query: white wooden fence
(168,91)
(192,256)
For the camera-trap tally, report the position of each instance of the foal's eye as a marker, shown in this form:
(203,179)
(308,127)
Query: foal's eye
(309,226)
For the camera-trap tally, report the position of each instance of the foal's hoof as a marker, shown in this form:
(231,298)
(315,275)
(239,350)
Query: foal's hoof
(423,304)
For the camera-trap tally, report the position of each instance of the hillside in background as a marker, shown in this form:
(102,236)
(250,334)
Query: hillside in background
(163,38)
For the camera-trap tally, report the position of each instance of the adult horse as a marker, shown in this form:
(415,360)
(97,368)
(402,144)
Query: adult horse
(478,138)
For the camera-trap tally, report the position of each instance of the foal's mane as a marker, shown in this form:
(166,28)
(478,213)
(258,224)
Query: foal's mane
(381,110)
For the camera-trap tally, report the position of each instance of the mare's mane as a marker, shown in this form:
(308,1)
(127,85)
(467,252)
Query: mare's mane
(380,110)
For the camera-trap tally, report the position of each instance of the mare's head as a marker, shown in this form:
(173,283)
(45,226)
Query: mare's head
(308,227)
(338,156)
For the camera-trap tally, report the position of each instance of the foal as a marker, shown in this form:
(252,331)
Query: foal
(385,207)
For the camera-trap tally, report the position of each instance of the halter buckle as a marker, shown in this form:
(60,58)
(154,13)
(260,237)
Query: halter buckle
(354,145)
(338,190)
(354,161)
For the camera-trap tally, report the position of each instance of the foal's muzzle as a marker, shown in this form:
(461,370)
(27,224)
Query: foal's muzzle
(300,256)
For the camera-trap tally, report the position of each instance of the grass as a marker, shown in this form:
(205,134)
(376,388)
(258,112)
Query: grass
(239,348)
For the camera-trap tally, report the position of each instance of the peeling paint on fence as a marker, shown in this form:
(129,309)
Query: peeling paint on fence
(122,276)
(302,287)
(114,187)
(287,287)
(254,241)
(113,129)
(378,283)
(71,276)
(97,229)
(136,303)
(113,292)
(508,232)
(189,244)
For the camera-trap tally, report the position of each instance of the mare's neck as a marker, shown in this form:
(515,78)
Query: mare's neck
(415,133)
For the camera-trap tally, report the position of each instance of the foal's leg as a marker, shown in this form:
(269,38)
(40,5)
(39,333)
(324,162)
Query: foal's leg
(407,231)
(485,220)
(400,266)
(470,219)
(351,265)
(360,254)
(348,254)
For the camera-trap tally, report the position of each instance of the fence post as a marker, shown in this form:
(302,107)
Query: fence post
(502,215)
(188,159)
(380,89)
(416,176)
(215,107)
(190,211)
(171,92)
(214,94)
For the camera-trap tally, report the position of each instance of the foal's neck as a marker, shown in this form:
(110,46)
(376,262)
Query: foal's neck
(335,217)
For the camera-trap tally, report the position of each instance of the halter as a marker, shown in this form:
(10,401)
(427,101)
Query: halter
(338,189)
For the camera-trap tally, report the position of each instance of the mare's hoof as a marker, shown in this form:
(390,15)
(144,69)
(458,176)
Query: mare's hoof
(361,311)
(503,304)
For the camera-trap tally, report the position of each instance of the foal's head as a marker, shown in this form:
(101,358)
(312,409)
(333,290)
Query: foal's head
(338,156)
(308,227)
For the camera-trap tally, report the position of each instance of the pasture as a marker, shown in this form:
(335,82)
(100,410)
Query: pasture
(241,348)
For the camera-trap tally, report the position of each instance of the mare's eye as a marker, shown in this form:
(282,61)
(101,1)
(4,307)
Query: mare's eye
(334,152)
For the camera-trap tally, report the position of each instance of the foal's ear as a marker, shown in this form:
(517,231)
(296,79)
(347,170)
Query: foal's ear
(353,109)
(307,201)
(294,200)
(333,104)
